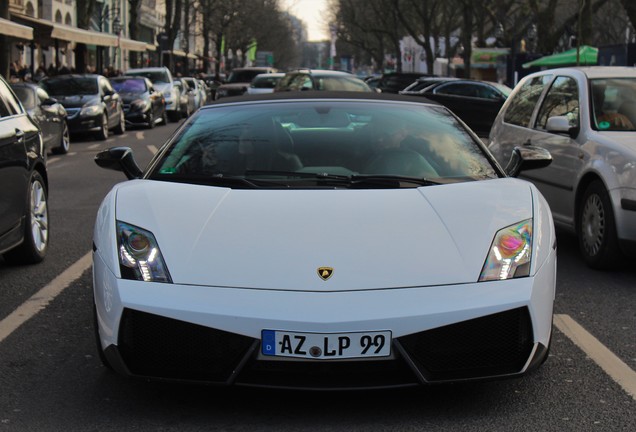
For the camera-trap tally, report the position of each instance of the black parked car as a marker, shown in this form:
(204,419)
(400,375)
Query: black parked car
(143,104)
(48,113)
(476,102)
(90,101)
(393,82)
(24,215)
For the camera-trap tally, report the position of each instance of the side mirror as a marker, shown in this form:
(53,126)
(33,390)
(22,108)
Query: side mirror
(119,159)
(527,158)
(561,124)
(48,102)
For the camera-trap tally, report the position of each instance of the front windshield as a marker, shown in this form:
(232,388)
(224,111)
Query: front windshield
(341,83)
(160,77)
(290,141)
(70,86)
(135,86)
(243,76)
(614,104)
(26,96)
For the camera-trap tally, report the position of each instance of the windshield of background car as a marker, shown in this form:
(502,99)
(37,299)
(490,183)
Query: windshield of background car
(323,144)
(26,96)
(129,86)
(614,104)
(265,81)
(153,76)
(70,86)
(242,76)
(340,83)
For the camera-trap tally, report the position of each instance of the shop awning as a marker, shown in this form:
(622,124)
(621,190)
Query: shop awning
(133,45)
(183,54)
(44,32)
(151,47)
(587,56)
(9,28)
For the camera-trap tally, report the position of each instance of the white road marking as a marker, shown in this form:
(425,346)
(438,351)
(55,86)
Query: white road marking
(607,360)
(139,135)
(42,298)
(52,161)
(93,146)
(618,370)
(153,149)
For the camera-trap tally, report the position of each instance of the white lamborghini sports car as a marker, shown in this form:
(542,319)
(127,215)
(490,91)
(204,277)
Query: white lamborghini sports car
(325,241)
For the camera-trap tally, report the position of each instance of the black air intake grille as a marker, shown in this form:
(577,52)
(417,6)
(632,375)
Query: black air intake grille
(155,346)
(498,344)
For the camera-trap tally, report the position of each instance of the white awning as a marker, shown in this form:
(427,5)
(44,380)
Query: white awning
(45,31)
(132,45)
(9,28)
(183,54)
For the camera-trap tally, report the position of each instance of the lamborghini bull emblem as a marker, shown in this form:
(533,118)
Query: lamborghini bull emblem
(325,272)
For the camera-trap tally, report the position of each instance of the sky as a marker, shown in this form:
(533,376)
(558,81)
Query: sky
(313,13)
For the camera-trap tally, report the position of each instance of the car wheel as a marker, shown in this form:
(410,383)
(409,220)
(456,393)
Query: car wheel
(36,227)
(65,140)
(175,115)
(164,118)
(100,350)
(121,126)
(596,228)
(151,120)
(102,134)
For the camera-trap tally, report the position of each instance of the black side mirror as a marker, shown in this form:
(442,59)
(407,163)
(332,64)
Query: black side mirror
(48,102)
(119,159)
(527,158)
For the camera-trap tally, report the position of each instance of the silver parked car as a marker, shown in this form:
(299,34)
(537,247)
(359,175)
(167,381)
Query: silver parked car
(585,117)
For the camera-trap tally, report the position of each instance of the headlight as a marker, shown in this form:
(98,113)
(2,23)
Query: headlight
(139,255)
(91,110)
(140,105)
(510,253)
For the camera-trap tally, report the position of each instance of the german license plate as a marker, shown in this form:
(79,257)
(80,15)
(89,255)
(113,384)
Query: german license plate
(326,346)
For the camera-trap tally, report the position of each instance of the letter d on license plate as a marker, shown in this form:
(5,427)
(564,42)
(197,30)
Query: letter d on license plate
(326,346)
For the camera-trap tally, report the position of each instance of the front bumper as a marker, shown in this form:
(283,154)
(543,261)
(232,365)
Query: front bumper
(78,124)
(212,335)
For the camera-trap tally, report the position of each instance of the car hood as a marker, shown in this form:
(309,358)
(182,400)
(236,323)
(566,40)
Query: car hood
(277,239)
(131,97)
(77,101)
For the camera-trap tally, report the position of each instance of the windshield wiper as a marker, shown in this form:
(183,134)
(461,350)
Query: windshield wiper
(389,180)
(354,180)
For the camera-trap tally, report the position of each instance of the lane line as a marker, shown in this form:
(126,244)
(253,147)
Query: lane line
(153,149)
(139,135)
(93,146)
(42,298)
(618,370)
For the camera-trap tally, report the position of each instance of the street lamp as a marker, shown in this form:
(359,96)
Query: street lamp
(104,15)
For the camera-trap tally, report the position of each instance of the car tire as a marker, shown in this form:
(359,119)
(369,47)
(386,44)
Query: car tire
(596,228)
(103,132)
(33,248)
(174,116)
(151,120)
(121,126)
(164,118)
(65,140)
(98,342)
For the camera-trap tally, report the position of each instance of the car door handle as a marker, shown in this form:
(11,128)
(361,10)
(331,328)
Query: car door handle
(19,135)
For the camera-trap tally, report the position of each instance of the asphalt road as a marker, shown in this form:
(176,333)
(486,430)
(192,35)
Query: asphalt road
(52,380)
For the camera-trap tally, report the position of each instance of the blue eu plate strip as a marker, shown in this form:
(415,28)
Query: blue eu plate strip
(268,342)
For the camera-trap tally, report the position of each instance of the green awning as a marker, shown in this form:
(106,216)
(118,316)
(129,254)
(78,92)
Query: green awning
(587,56)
